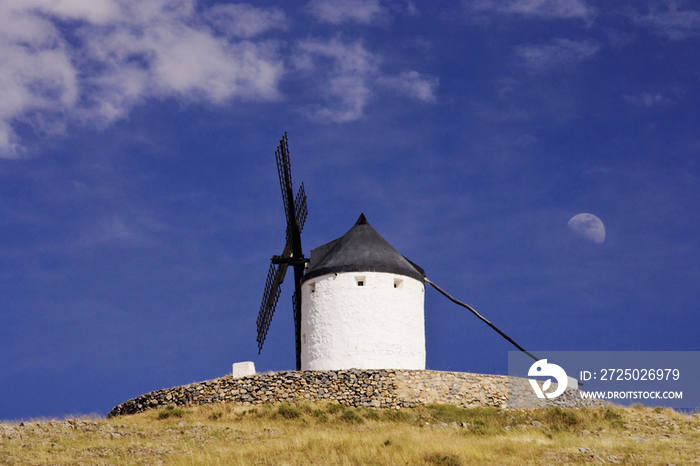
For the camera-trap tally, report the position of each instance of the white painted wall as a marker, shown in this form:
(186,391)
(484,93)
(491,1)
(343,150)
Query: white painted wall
(375,326)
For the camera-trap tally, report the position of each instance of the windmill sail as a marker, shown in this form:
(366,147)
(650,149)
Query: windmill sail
(295,212)
(271,296)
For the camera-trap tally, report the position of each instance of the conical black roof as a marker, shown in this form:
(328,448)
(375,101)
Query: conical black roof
(361,249)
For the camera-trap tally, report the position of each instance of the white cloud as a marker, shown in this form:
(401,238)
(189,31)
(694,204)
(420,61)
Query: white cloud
(243,20)
(348,79)
(129,50)
(560,53)
(670,20)
(171,58)
(342,11)
(348,74)
(647,100)
(94,11)
(541,8)
(412,84)
(36,71)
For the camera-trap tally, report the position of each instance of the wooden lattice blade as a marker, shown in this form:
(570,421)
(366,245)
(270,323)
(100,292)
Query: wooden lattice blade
(275,277)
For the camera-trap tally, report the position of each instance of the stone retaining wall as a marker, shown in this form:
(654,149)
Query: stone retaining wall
(375,388)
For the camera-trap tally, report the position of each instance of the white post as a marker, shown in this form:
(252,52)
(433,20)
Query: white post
(241,369)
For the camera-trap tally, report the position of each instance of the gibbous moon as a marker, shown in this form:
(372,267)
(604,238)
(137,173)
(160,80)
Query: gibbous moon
(587,226)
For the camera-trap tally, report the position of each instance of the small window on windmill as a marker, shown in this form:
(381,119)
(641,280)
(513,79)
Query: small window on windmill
(398,283)
(360,281)
(312,287)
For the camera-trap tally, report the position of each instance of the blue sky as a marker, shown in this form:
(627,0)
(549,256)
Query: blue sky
(140,205)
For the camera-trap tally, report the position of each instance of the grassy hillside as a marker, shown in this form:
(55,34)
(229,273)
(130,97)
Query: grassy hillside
(328,434)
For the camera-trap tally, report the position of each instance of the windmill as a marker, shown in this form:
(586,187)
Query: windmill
(295,212)
(362,300)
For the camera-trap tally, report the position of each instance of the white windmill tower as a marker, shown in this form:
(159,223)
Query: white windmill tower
(362,305)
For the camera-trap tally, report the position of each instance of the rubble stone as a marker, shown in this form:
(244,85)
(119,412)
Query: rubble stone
(386,388)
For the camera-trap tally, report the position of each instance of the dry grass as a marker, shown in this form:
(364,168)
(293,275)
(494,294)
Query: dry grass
(327,434)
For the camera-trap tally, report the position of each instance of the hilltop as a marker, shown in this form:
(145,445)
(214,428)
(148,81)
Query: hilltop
(331,434)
